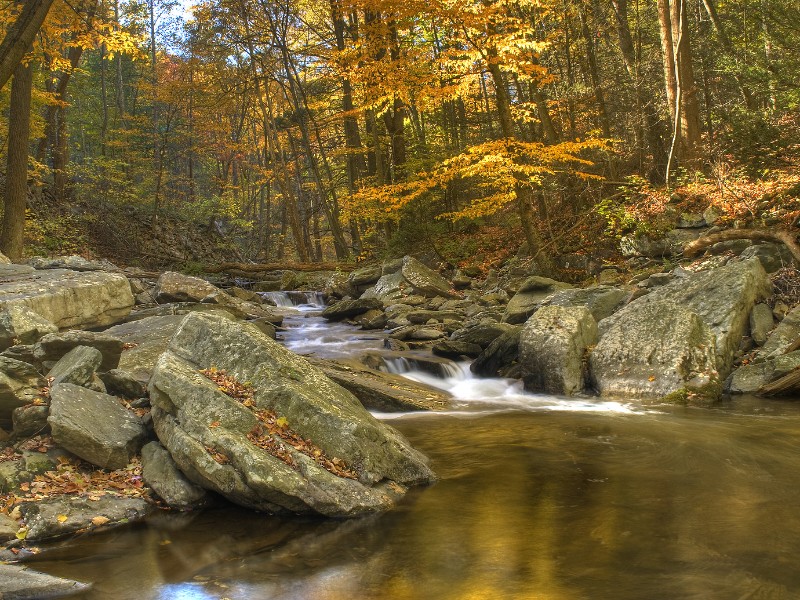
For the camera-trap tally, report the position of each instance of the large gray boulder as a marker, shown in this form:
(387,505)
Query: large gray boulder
(552,347)
(176,287)
(78,366)
(52,347)
(70,298)
(425,281)
(653,350)
(533,291)
(217,440)
(345,309)
(20,325)
(499,355)
(722,298)
(145,340)
(389,288)
(19,385)
(94,426)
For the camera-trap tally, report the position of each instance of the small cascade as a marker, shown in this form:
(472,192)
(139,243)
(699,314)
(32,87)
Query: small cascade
(441,368)
(296,299)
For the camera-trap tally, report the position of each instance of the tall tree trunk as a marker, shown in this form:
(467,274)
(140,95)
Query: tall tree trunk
(16,198)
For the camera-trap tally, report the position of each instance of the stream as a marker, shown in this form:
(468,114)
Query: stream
(539,497)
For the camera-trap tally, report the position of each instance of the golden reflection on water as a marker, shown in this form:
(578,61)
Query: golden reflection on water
(688,504)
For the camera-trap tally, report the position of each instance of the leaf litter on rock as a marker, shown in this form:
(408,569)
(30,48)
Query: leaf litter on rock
(270,426)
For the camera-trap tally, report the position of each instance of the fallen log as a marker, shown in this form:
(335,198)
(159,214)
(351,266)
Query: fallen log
(777,236)
(267,267)
(789,383)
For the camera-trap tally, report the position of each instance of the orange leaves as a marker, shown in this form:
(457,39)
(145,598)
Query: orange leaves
(272,433)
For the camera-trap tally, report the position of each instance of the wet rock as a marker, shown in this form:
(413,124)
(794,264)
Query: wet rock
(372,319)
(266,327)
(45,518)
(20,325)
(381,391)
(456,350)
(22,583)
(19,385)
(552,346)
(499,355)
(239,308)
(388,289)
(761,323)
(425,316)
(54,346)
(71,298)
(176,287)
(78,366)
(160,472)
(185,403)
(529,298)
(123,384)
(482,332)
(94,426)
(345,309)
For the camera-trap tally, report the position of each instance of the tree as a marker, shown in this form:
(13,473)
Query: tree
(19,36)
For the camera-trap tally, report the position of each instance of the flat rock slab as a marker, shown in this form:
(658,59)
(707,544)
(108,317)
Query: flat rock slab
(383,391)
(54,346)
(21,583)
(94,426)
(65,515)
(71,298)
(145,339)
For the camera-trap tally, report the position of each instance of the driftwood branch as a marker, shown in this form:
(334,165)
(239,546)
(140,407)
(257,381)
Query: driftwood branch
(266,268)
(788,383)
(777,236)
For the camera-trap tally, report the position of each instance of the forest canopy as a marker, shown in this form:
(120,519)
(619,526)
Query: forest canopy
(319,129)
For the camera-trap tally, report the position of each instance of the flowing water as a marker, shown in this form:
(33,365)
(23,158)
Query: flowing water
(539,498)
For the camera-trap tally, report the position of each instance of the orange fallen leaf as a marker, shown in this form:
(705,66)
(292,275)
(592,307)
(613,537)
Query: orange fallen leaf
(62,518)
(100,520)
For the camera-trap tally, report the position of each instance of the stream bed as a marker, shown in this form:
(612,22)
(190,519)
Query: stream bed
(539,497)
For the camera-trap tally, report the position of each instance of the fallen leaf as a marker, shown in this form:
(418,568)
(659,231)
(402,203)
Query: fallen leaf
(22,533)
(213,424)
(100,520)
(62,518)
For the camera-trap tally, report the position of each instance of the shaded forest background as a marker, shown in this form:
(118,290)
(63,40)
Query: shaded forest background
(318,130)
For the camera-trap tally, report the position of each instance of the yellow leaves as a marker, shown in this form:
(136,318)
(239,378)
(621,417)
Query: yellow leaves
(99,520)
(62,518)
(22,533)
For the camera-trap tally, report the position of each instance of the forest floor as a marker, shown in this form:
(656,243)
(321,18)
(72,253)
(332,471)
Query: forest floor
(129,236)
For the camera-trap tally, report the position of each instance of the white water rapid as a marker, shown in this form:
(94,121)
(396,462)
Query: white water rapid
(308,333)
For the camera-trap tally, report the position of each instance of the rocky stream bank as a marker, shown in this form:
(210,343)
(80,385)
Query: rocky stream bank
(122,395)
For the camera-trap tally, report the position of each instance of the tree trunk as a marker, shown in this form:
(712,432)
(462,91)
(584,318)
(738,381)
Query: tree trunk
(16,199)
(20,35)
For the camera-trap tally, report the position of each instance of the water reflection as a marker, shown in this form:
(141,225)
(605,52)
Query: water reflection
(546,505)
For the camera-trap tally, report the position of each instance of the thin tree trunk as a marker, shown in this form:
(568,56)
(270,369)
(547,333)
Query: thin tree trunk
(16,198)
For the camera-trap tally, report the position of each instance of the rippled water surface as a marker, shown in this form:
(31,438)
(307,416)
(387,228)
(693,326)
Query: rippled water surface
(539,498)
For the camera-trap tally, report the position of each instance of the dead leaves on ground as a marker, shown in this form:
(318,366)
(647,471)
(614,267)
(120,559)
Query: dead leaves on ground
(72,476)
(272,433)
